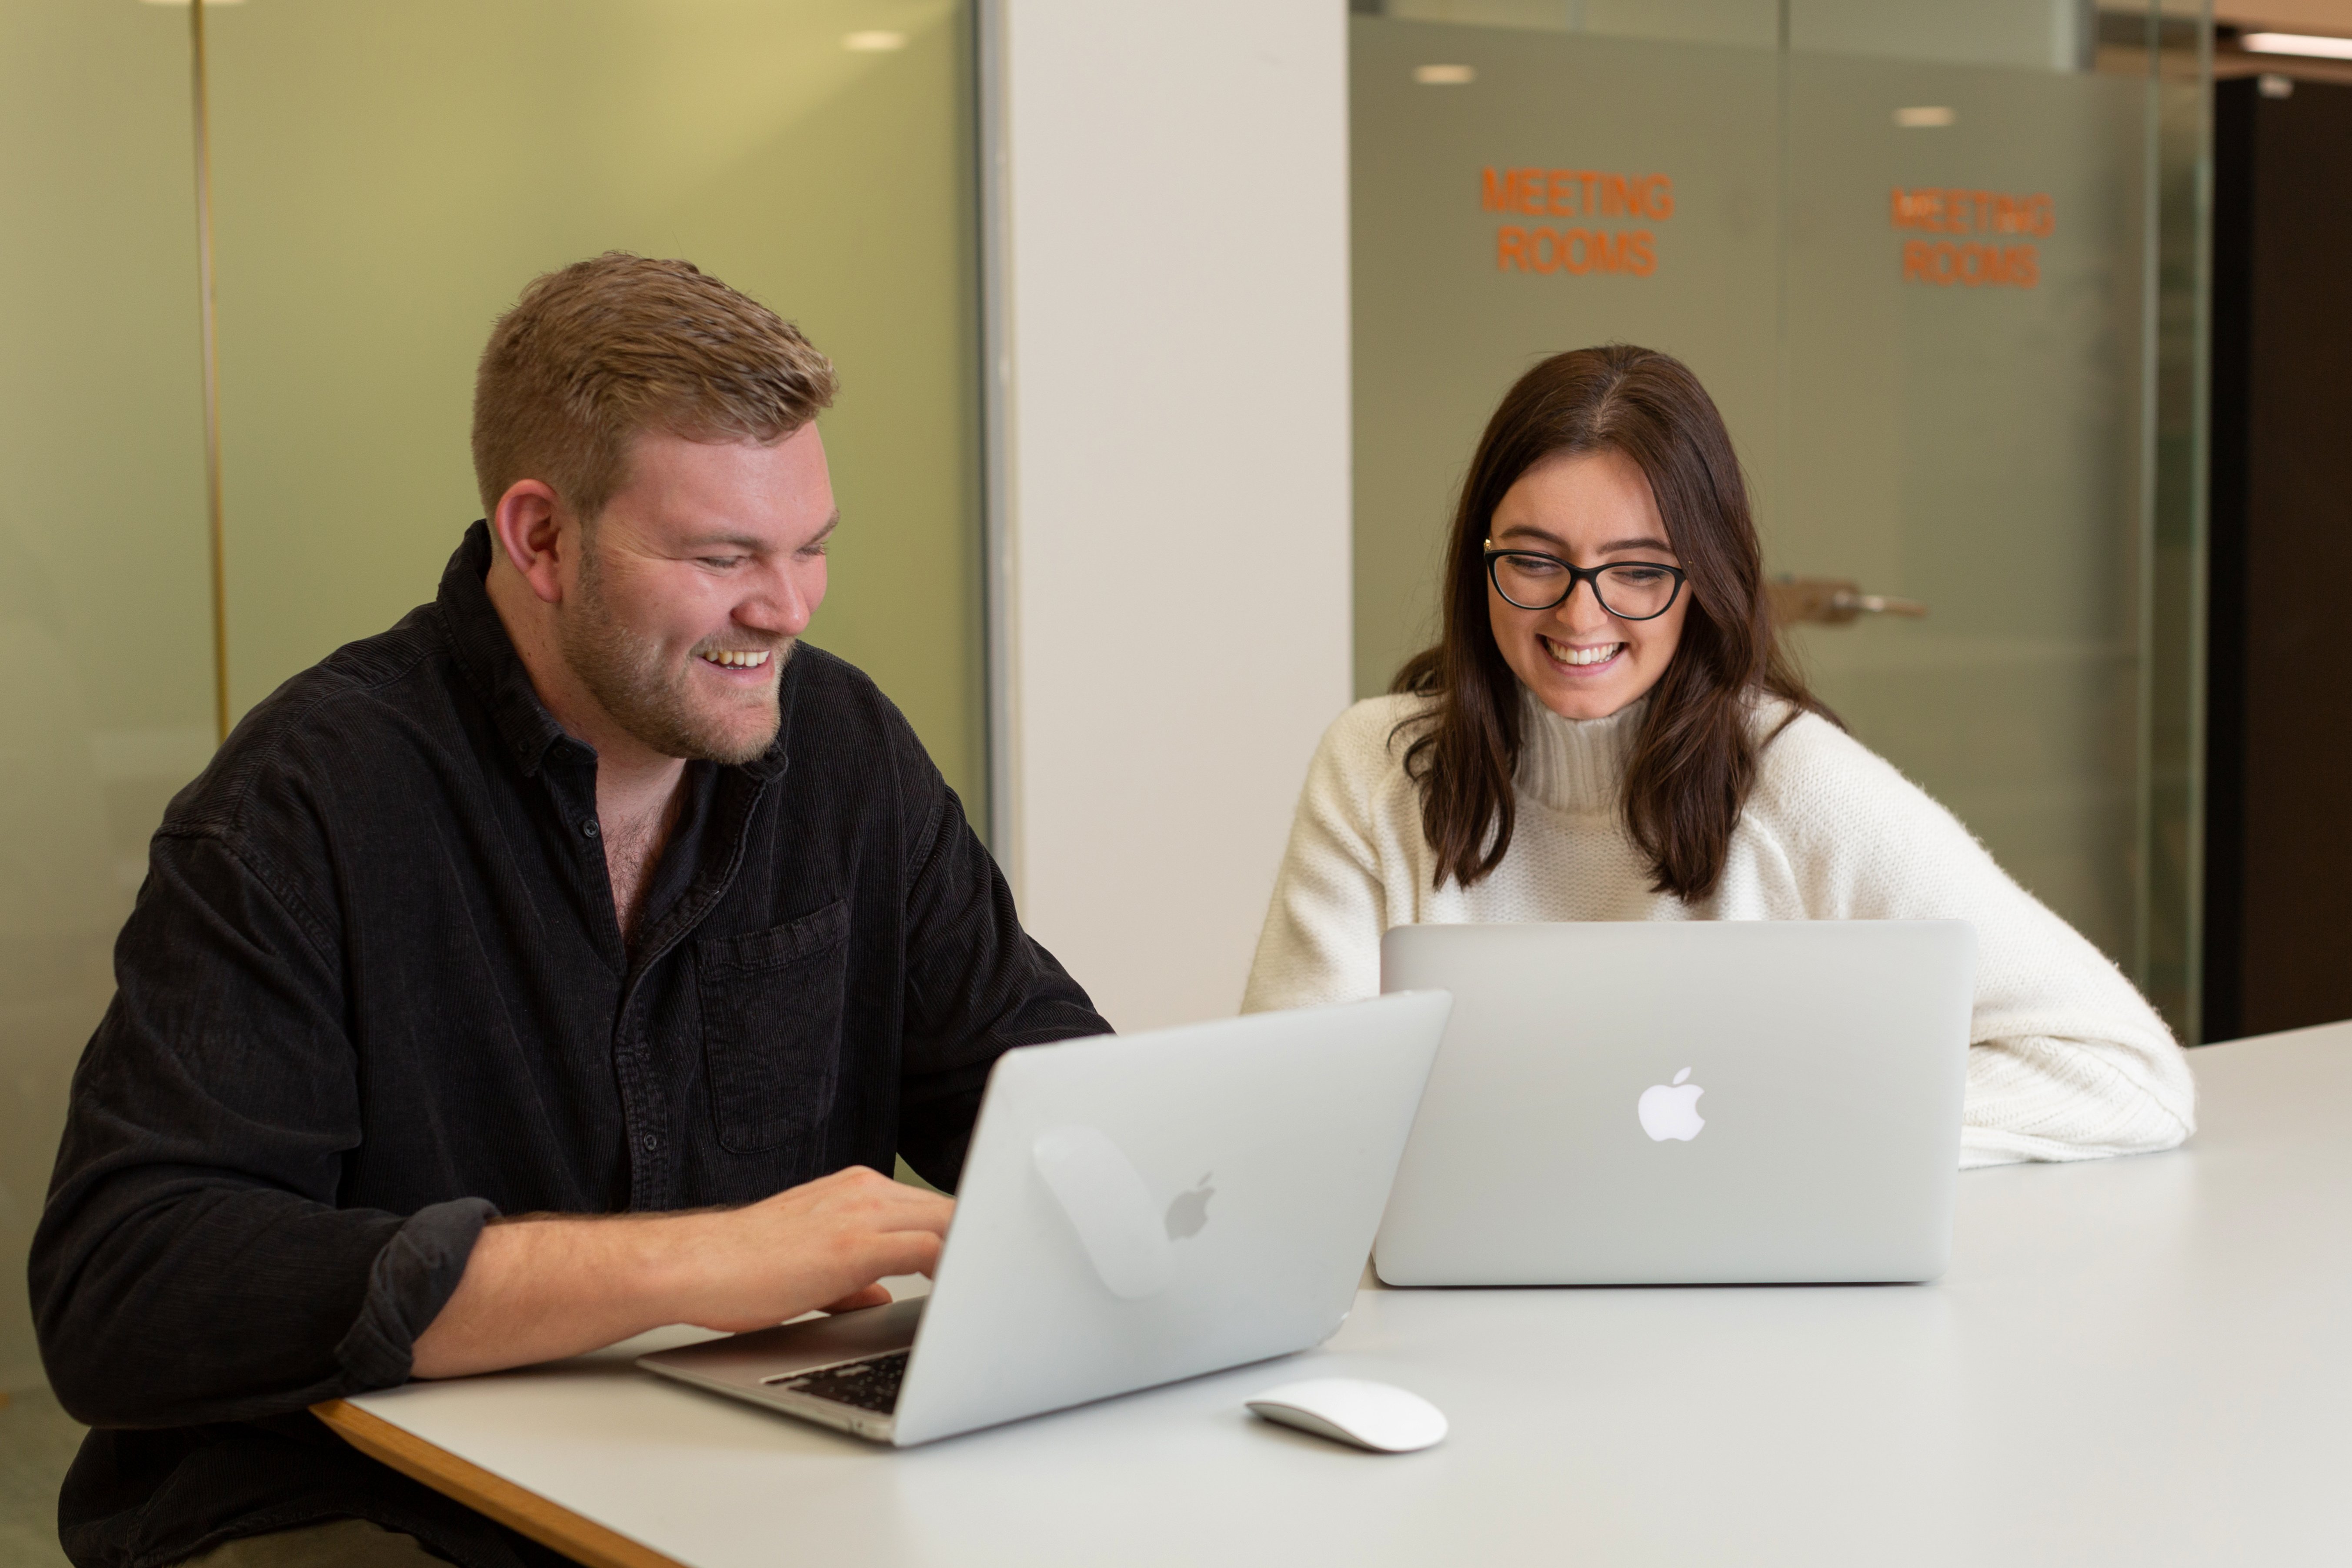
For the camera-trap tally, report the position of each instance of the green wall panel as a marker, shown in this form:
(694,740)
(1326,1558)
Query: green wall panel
(105,628)
(390,176)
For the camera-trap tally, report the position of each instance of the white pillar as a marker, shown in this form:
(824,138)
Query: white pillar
(1167,244)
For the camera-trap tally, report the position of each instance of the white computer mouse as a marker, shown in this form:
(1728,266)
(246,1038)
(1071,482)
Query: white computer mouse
(1376,1415)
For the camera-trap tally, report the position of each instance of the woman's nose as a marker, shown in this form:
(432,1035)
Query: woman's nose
(1581,609)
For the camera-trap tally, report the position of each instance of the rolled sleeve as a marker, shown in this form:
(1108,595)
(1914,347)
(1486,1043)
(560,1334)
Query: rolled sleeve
(193,1263)
(409,1283)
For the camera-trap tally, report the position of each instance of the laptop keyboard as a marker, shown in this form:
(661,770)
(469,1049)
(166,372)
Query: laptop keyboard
(869,1385)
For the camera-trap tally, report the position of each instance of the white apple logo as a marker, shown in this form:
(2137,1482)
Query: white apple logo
(1670,1110)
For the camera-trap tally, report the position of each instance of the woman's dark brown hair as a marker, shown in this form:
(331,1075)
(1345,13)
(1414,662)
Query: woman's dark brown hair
(1693,760)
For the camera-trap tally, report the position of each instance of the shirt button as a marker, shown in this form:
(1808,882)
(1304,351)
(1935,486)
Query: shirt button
(588,828)
(651,1142)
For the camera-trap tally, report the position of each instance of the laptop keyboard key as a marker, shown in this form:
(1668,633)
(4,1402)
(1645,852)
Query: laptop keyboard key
(869,1385)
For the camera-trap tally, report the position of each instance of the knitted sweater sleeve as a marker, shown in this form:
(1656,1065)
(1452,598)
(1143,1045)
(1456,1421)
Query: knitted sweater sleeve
(1321,941)
(2067,1062)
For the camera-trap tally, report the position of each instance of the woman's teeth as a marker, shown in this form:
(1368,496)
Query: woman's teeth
(733,659)
(1575,656)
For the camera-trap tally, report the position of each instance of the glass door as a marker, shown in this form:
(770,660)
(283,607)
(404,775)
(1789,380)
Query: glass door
(1918,254)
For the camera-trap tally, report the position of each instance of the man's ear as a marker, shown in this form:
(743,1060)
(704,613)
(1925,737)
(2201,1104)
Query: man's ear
(530,530)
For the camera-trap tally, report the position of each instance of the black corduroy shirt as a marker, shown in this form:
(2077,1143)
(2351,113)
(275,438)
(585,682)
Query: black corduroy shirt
(373,992)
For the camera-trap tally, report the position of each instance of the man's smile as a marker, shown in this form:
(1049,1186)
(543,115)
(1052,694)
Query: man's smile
(736,658)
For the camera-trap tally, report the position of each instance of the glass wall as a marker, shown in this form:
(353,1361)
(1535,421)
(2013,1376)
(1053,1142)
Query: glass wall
(1915,252)
(386,179)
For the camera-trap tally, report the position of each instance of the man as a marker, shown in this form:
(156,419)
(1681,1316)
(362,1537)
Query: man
(491,953)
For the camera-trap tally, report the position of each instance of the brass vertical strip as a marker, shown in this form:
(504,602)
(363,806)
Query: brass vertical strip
(1000,535)
(211,367)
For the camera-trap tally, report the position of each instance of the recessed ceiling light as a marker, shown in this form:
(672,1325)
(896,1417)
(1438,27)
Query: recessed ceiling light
(875,43)
(2311,44)
(1444,76)
(1924,116)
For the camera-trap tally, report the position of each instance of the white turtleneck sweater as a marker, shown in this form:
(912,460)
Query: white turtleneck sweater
(2068,1062)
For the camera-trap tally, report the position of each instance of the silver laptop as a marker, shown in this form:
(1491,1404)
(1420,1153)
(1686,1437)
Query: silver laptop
(1684,1102)
(1134,1210)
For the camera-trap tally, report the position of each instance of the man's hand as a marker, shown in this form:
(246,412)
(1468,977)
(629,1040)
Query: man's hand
(821,1245)
(538,1288)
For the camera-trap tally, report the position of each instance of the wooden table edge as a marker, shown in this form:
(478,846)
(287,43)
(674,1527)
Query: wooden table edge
(517,1508)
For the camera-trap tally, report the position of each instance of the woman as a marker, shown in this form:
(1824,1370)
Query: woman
(1608,731)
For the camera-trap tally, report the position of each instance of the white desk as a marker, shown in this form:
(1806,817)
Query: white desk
(2143,1361)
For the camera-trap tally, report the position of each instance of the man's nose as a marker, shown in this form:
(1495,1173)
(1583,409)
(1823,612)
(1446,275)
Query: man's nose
(780,607)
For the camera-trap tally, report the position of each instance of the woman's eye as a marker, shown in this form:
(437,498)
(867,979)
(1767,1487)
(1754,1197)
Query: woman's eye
(1641,576)
(1536,565)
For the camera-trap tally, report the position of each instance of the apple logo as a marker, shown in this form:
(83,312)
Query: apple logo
(1190,1210)
(1670,1110)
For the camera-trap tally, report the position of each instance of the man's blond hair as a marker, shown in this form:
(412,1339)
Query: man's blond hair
(596,355)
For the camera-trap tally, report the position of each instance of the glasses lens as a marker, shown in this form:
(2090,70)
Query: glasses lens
(1530,582)
(1636,592)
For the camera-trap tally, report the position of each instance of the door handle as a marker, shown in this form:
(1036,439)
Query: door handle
(1833,602)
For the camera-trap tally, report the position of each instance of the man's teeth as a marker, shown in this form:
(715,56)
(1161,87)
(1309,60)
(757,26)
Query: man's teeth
(1562,653)
(736,658)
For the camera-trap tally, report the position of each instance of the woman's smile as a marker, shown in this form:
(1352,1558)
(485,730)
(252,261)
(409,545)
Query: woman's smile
(1590,658)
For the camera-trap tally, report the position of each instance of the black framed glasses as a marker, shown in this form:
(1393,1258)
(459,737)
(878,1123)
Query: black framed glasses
(1629,590)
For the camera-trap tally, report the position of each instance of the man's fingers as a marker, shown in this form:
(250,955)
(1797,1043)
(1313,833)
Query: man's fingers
(932,1213)
(831,1238)
(875,1295)
(895,1205)
(902,1252)
(884,1204)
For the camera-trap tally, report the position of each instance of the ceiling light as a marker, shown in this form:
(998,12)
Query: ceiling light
(2296,44)
(875,43)
(1444,76)
(1925,115)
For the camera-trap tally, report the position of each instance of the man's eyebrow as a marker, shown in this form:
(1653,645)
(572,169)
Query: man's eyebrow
(718,539)
(753,544)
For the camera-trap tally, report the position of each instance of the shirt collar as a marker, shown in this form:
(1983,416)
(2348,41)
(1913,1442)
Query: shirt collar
(487,654)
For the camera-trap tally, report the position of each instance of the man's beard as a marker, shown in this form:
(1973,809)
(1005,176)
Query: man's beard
(625,672)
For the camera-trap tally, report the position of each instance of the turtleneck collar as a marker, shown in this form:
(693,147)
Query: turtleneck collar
(1574,764)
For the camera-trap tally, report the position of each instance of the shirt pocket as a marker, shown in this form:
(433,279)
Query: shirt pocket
(772,1006)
